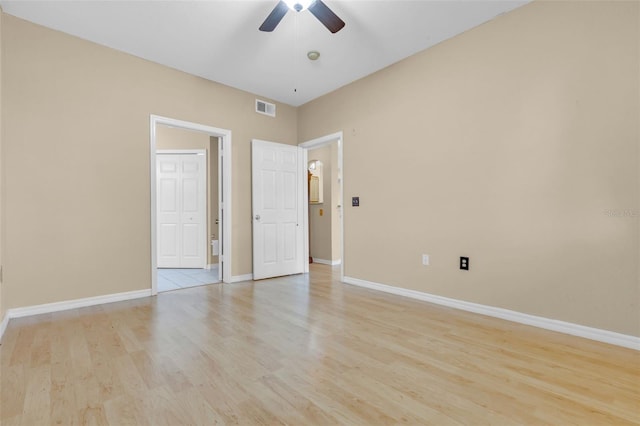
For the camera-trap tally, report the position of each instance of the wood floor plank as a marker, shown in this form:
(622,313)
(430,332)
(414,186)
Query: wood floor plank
(37,400)
(124,411)
(63,397)
(12,391)
(304,350)
(198,407)
(92,416)
(311,412)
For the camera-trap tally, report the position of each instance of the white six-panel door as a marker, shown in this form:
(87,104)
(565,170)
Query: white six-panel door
(181,216)
(277,196)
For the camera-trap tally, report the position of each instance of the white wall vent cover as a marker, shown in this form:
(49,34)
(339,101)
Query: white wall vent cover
(265,108)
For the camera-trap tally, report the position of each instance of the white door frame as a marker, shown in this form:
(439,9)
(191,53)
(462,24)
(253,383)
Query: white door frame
(318,143)
(224,150)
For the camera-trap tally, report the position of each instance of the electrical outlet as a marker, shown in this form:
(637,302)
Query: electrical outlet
(464,263)
(425,259)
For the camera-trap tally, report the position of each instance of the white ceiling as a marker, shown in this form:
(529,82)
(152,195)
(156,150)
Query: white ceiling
(220,41)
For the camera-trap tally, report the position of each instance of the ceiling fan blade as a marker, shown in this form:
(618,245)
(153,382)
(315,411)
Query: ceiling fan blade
(326,16)
(275,17)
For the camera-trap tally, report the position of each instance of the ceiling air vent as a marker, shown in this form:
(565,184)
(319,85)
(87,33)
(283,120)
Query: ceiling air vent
(265,108)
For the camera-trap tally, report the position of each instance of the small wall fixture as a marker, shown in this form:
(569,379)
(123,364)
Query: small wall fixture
(313,55)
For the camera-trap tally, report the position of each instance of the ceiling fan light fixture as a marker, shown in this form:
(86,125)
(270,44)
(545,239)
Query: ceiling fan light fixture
(321,11)
(313,55)
(298,5)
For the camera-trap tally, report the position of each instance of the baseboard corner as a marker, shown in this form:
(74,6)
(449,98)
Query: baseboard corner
(327,262)
(604,336)
(3,325)
(241,278)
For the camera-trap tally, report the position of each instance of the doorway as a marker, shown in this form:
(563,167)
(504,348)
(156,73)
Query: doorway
(215,242)
(324,220)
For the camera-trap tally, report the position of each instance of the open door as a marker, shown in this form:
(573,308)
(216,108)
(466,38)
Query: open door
(278,172)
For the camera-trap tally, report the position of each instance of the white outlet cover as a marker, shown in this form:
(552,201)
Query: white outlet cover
(425,259)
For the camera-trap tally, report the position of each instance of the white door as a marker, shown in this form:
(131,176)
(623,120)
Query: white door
(278,204)
(181,195)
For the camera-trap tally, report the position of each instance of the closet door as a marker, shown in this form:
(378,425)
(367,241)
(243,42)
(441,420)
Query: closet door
(181,195)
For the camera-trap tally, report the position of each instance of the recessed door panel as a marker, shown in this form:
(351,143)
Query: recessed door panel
(167,167)
(270,243)
(289,196)
(168,199)
(269,197)
(290,246)
(190,202)
(190,240)
(269,157)
(289,160)
(168,240)
(190,166)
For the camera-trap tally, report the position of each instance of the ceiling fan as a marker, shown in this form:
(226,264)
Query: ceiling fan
(316,7)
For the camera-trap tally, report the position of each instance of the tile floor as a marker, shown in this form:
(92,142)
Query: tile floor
(175,279)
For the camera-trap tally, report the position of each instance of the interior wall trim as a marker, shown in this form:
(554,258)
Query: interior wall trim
(75,303)
(240,278)
(3,325)
(611,337)
(327,262)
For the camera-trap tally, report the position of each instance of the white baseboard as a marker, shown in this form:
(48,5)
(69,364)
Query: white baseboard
(327,262)
(597,334)
(211,266)
(239,278)
(3,325)
(76,303)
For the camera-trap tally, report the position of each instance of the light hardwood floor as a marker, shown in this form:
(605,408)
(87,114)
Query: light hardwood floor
(303,351)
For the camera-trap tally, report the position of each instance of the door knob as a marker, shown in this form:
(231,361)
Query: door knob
(257,217)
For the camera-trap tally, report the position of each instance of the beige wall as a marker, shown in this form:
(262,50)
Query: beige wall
(512,144)
(174,138)
(76,157)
